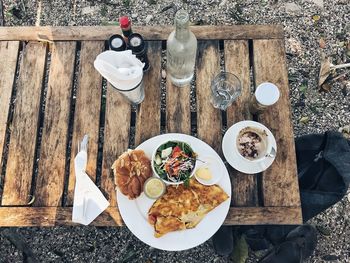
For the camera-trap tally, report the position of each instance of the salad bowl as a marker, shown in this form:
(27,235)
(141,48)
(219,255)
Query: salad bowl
(174,162)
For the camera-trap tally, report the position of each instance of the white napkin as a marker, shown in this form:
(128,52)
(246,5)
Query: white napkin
(89,202)
(122,69)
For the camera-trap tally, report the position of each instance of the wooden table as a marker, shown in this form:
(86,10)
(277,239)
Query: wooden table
(56,97)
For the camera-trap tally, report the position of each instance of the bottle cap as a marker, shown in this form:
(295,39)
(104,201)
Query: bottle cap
(136,42)
(267,94)
(117,43)
(124,22)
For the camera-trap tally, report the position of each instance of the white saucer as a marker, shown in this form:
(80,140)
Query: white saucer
(235,159)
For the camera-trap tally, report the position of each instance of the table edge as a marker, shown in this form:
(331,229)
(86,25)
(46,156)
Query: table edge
(157,32)
(62,216)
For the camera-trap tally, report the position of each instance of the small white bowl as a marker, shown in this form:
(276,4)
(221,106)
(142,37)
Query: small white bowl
(215,168)
(166,181)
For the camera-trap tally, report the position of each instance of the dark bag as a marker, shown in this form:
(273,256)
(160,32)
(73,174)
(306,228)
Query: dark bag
(324,175)
(323,171)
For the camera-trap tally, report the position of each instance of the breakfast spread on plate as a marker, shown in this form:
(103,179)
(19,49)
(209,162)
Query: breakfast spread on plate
(184,207)
(174,162)
(131,170)
(176,207)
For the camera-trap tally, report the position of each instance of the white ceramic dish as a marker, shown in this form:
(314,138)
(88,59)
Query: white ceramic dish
(155,172)
(214,167)
(235,159)
(134,212)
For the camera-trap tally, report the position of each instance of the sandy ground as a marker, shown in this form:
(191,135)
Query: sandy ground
(311,27)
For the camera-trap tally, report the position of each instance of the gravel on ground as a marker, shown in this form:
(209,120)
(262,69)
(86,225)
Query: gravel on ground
(312,27)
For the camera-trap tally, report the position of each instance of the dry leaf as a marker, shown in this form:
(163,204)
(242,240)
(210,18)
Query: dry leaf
(240,251)
(341,77)
(322,43)
(345,131)
(325,70)
(326,87)
(341,43)
(328,73)
(304,120)
(316,18)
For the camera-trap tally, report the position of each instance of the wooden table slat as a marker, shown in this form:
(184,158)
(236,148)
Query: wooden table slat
(280,183)
(208,118)
(116,138)
(264,216)
(8,55)
(178,115)
(52,163)
(87,111)
(55,216)
(148,32)
(244,186)
(19,169)
(148,114)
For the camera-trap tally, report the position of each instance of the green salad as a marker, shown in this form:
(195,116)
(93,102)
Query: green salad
(174,161)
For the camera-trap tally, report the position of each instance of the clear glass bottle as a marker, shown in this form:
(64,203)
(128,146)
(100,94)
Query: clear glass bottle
(181,51)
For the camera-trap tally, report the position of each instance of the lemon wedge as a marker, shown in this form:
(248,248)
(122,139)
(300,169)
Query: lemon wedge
(204,173)
(154,187)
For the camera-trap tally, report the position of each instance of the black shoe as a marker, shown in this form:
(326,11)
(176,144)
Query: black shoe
(255,239)
(299,245)
(287,252)
(223,241)
(306,237)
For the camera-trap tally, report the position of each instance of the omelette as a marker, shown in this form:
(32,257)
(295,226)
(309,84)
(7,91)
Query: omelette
(184,207)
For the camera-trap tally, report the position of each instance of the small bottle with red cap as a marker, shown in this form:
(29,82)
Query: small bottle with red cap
(125,25)
(134,41)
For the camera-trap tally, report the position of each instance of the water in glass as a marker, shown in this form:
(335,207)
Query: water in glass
(225,88)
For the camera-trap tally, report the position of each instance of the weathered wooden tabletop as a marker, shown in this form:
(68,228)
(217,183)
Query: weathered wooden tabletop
(51,95)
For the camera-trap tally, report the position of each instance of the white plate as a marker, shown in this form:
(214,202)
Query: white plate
(235,159)
(134,212)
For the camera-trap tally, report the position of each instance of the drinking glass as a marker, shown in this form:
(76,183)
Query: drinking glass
(135,95)
(225,88)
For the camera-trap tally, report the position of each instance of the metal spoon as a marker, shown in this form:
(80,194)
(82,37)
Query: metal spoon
(272,154)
